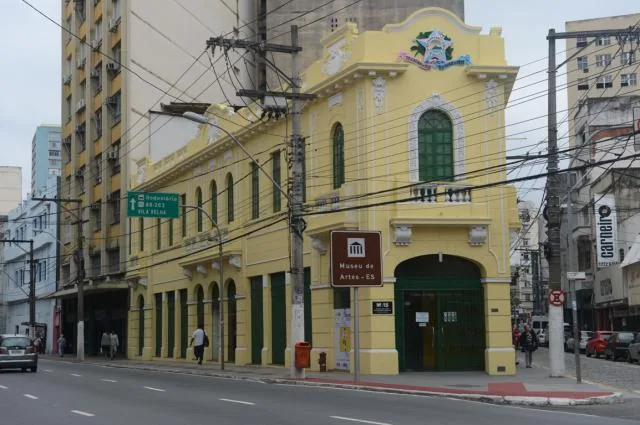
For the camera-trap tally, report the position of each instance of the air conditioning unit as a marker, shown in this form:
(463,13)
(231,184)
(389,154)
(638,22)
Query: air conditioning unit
(80,105)
(80,62)
(113,23)
(80,173)
(79,130)
(96,43)
(95,206)
(112,197)
(95,73)
(113,67)
(110,101)
(113,155)
(66,79)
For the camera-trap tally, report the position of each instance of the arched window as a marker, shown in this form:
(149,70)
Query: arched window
(229,198)
(213,188)
(199,204)
(338,156)
(435,146)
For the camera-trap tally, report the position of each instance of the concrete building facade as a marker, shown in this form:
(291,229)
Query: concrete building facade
(34,220)
(45,158)
(371,164)
(10,189)
(133,57)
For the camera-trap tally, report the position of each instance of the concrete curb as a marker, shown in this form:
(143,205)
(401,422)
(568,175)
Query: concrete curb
(613,398)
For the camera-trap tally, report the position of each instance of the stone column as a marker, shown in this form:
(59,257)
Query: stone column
(267,351)
(499,351)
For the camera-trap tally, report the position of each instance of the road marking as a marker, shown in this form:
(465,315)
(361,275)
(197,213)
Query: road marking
(32,397)
(75,374)
(47,370)
(362,421)
(155,389)
(2,387)
(237,401)
(108,380)
(80,412)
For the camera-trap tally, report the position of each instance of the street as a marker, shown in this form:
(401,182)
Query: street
(68,393)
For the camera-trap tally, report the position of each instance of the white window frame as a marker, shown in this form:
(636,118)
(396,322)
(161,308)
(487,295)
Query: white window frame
(603,60)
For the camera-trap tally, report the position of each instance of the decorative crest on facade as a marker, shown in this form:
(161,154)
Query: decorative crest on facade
(436,49)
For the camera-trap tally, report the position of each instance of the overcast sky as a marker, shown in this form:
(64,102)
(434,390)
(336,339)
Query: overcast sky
(30,78)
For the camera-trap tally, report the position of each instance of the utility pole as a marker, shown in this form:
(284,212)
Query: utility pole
(556,314)
(572,284)
(297,224)
(78,258)
(32,283)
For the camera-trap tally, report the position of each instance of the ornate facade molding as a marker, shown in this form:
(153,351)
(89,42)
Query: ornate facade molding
(378,88)
(437,102)
(319,245)
(402,235)
(478,234)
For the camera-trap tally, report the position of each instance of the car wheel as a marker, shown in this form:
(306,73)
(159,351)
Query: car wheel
(588,353)
(24,369)
(629,359)
(34,369)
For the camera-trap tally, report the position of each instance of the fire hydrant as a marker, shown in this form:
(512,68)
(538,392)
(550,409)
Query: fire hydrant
(322,361)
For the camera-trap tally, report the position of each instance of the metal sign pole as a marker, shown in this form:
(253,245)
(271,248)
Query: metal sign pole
(356,336)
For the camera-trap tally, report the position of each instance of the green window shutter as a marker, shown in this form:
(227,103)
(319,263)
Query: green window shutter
(435,146)
(275,174)
(230,214)
(338,156)
(255,191)
(214,201)
(141,234)
(158,234)
(199,212)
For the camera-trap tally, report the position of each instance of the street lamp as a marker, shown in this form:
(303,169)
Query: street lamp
(221,311)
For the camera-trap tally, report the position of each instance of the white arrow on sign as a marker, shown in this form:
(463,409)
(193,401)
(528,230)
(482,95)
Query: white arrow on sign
(133,203)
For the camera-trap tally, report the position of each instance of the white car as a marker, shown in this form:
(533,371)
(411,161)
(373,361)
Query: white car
(584,337)
(542,337)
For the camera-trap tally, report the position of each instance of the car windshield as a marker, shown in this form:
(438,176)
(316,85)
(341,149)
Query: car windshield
(625,336)
(15,341)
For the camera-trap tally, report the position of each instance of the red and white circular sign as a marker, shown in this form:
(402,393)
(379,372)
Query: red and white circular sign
(557,297)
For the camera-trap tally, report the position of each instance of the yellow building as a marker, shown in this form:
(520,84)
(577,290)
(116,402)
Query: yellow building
(405,137)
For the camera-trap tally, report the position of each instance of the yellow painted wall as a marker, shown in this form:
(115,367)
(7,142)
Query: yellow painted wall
(375,97)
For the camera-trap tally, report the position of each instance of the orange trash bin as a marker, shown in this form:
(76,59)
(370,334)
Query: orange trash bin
(303,355)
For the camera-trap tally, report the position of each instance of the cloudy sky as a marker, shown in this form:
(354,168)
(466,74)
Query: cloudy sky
(30,78)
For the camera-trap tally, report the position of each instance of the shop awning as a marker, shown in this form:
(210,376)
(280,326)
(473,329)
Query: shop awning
(633,256)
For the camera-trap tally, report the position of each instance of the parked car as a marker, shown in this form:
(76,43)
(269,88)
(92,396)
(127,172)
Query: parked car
(618,345)
(584,337)
(542,337)
(633,354)
(598,343)
(18,352)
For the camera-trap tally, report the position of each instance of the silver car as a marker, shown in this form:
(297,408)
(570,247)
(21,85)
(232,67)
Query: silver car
(17,352)
(584,337)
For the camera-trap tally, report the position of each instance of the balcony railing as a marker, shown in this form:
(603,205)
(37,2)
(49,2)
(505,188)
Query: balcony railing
(431,193)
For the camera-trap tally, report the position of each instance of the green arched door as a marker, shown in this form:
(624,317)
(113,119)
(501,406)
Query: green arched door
(439,314)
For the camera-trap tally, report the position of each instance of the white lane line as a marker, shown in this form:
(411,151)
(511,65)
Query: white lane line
(75,374)
(47,370)
(108,380)
(362,421)
(2,387)
(80,412)
(155,389)
(237,401)
(32,397)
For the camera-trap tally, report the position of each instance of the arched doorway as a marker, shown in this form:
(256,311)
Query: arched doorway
(231,330)
(140,325)
(199,306)
(215,315)
(439,314)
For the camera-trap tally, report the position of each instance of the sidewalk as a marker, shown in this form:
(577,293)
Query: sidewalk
(530,386)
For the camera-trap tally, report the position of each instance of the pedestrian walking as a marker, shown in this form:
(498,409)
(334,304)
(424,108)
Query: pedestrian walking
(62,342)
(529,342)
(105,345)
(198,341)
(114,344)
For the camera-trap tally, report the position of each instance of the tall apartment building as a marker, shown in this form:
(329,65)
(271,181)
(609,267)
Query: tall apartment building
(10,189)
(120,59)
(605,67)
(315,25)
(45,157)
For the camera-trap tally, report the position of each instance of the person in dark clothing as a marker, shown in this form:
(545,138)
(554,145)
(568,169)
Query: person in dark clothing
(529,341)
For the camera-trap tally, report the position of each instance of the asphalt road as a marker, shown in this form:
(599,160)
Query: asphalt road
(68,394)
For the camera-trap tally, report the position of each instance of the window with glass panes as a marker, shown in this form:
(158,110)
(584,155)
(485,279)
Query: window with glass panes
(199,212)
(213,188)
(435,146)
(230,211)
(255,191)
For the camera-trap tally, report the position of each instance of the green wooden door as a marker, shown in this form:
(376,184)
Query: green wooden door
(158,298)
(140,326)
(308,316)
(184,324)
(232,337)
(257,334)
(461,328)
(171,322)
(278,318)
